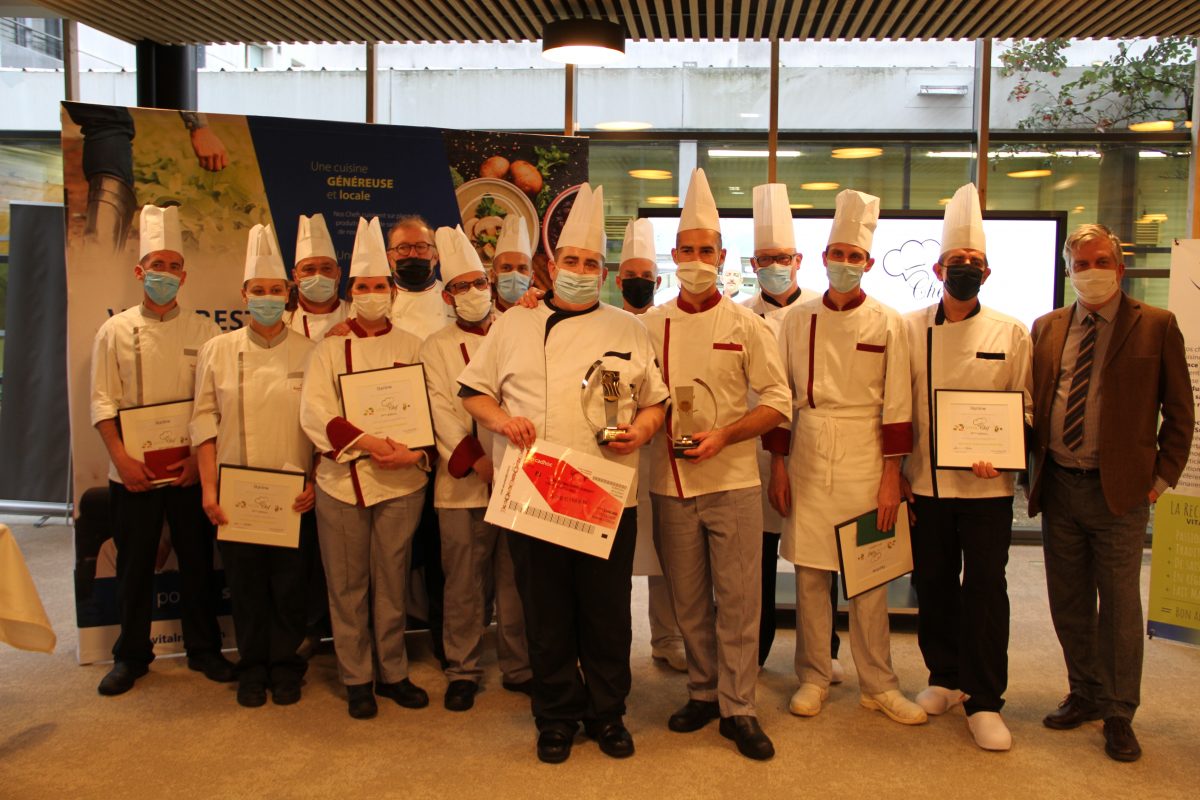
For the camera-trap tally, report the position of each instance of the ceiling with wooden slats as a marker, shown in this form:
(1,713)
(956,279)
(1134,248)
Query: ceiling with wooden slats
(279,21)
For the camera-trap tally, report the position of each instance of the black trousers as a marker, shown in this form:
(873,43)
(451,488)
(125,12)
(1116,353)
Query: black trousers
(427,556)
(316,612)
(269,593)
(137,528)
(766,624)
(577,618)
(962,626)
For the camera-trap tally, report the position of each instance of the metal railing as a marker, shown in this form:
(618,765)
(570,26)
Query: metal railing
(17,32)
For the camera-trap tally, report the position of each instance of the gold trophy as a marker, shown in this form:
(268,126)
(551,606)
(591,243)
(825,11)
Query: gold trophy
(685,408)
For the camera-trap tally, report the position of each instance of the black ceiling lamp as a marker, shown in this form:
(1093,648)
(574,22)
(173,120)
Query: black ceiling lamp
(583,41)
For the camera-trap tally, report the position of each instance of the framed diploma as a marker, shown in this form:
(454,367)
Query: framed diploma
(392,401)
(158,436)
(258,505)
(972,426)
(870,557)
(560,495)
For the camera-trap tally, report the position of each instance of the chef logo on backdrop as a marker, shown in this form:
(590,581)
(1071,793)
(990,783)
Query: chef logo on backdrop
(912,263)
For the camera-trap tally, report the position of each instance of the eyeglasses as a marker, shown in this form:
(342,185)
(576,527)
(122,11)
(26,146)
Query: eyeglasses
(459,287)
(783,259)
(404,250)
(977,263)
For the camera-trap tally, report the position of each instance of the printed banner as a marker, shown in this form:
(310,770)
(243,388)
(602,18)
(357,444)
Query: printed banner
(1174,608)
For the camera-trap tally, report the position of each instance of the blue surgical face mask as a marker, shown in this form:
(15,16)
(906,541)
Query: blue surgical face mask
(160,287)
(317,288)
(511,286)
(842,276)
(775,280)
(580,290)
(265,309)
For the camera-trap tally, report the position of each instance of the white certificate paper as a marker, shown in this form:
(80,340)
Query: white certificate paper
(870,557)
(390,402)
(157,435)
(258,505)
(973,426)
(560,495)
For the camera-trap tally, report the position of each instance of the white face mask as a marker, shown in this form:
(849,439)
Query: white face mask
(473,305)
(1094,285)
(371,306)
(696,276)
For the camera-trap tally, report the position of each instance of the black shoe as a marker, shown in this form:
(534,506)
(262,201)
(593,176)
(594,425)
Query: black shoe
(554,745)
(749,736)
(251,695)
(1119,740)
(694,715)
(285,693)
(214,666)
(613,738)
(361,701)
(121,677)
(523,687)
(405,693)
(1072,712)
(460,695)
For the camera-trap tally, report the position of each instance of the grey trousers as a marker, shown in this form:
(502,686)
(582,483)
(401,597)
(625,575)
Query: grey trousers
(711,545)
(664,630)
(1092,554)
(475,556)
(870,636)
(367,553)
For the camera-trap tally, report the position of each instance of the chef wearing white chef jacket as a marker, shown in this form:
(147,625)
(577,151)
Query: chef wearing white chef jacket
(474,554)
(775,263)
(318,277)
(146,355)
(369,492)
(638,278)
(847,362)
(963,518)
(247,413)
(707,504)
(413,257)
(512,265)
(524,384)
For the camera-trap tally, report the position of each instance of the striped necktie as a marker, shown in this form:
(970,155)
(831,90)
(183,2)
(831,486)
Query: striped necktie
(1077,397)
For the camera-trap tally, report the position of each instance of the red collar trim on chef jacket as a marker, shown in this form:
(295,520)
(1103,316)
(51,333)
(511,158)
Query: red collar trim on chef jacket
(855,303)
(705,304)
(361,332)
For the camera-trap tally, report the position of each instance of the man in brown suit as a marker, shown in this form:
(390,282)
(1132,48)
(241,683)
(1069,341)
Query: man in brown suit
(1104,368)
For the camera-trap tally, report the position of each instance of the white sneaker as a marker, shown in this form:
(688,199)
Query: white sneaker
(937,700)
(806,702)
(989,730)
(839,672)
(673,657)
(895,706)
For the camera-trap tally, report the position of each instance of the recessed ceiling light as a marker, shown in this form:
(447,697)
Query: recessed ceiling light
(820,186)
(752,153)
(663,200)
(1030,173)
(623,125)
(800,205)
(650,174)
(857,152)
(943,201)
(1154,125)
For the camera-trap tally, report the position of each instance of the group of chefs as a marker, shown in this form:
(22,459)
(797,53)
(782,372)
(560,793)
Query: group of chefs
(749,427)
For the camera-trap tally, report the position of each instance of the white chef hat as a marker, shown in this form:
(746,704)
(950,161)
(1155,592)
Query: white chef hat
(514,238)
(854,219)
(313,240)
(159,230)
(584,227)
(639,241)
(773,218)
(456,254)
(262,255)
(369,259)
(699,207)
(963,223)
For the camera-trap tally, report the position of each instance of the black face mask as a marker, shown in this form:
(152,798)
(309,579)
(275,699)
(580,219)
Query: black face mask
(638,292)
(962,282)
(414,274)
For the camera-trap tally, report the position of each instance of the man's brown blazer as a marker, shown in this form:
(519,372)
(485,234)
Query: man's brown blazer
(1145,372)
